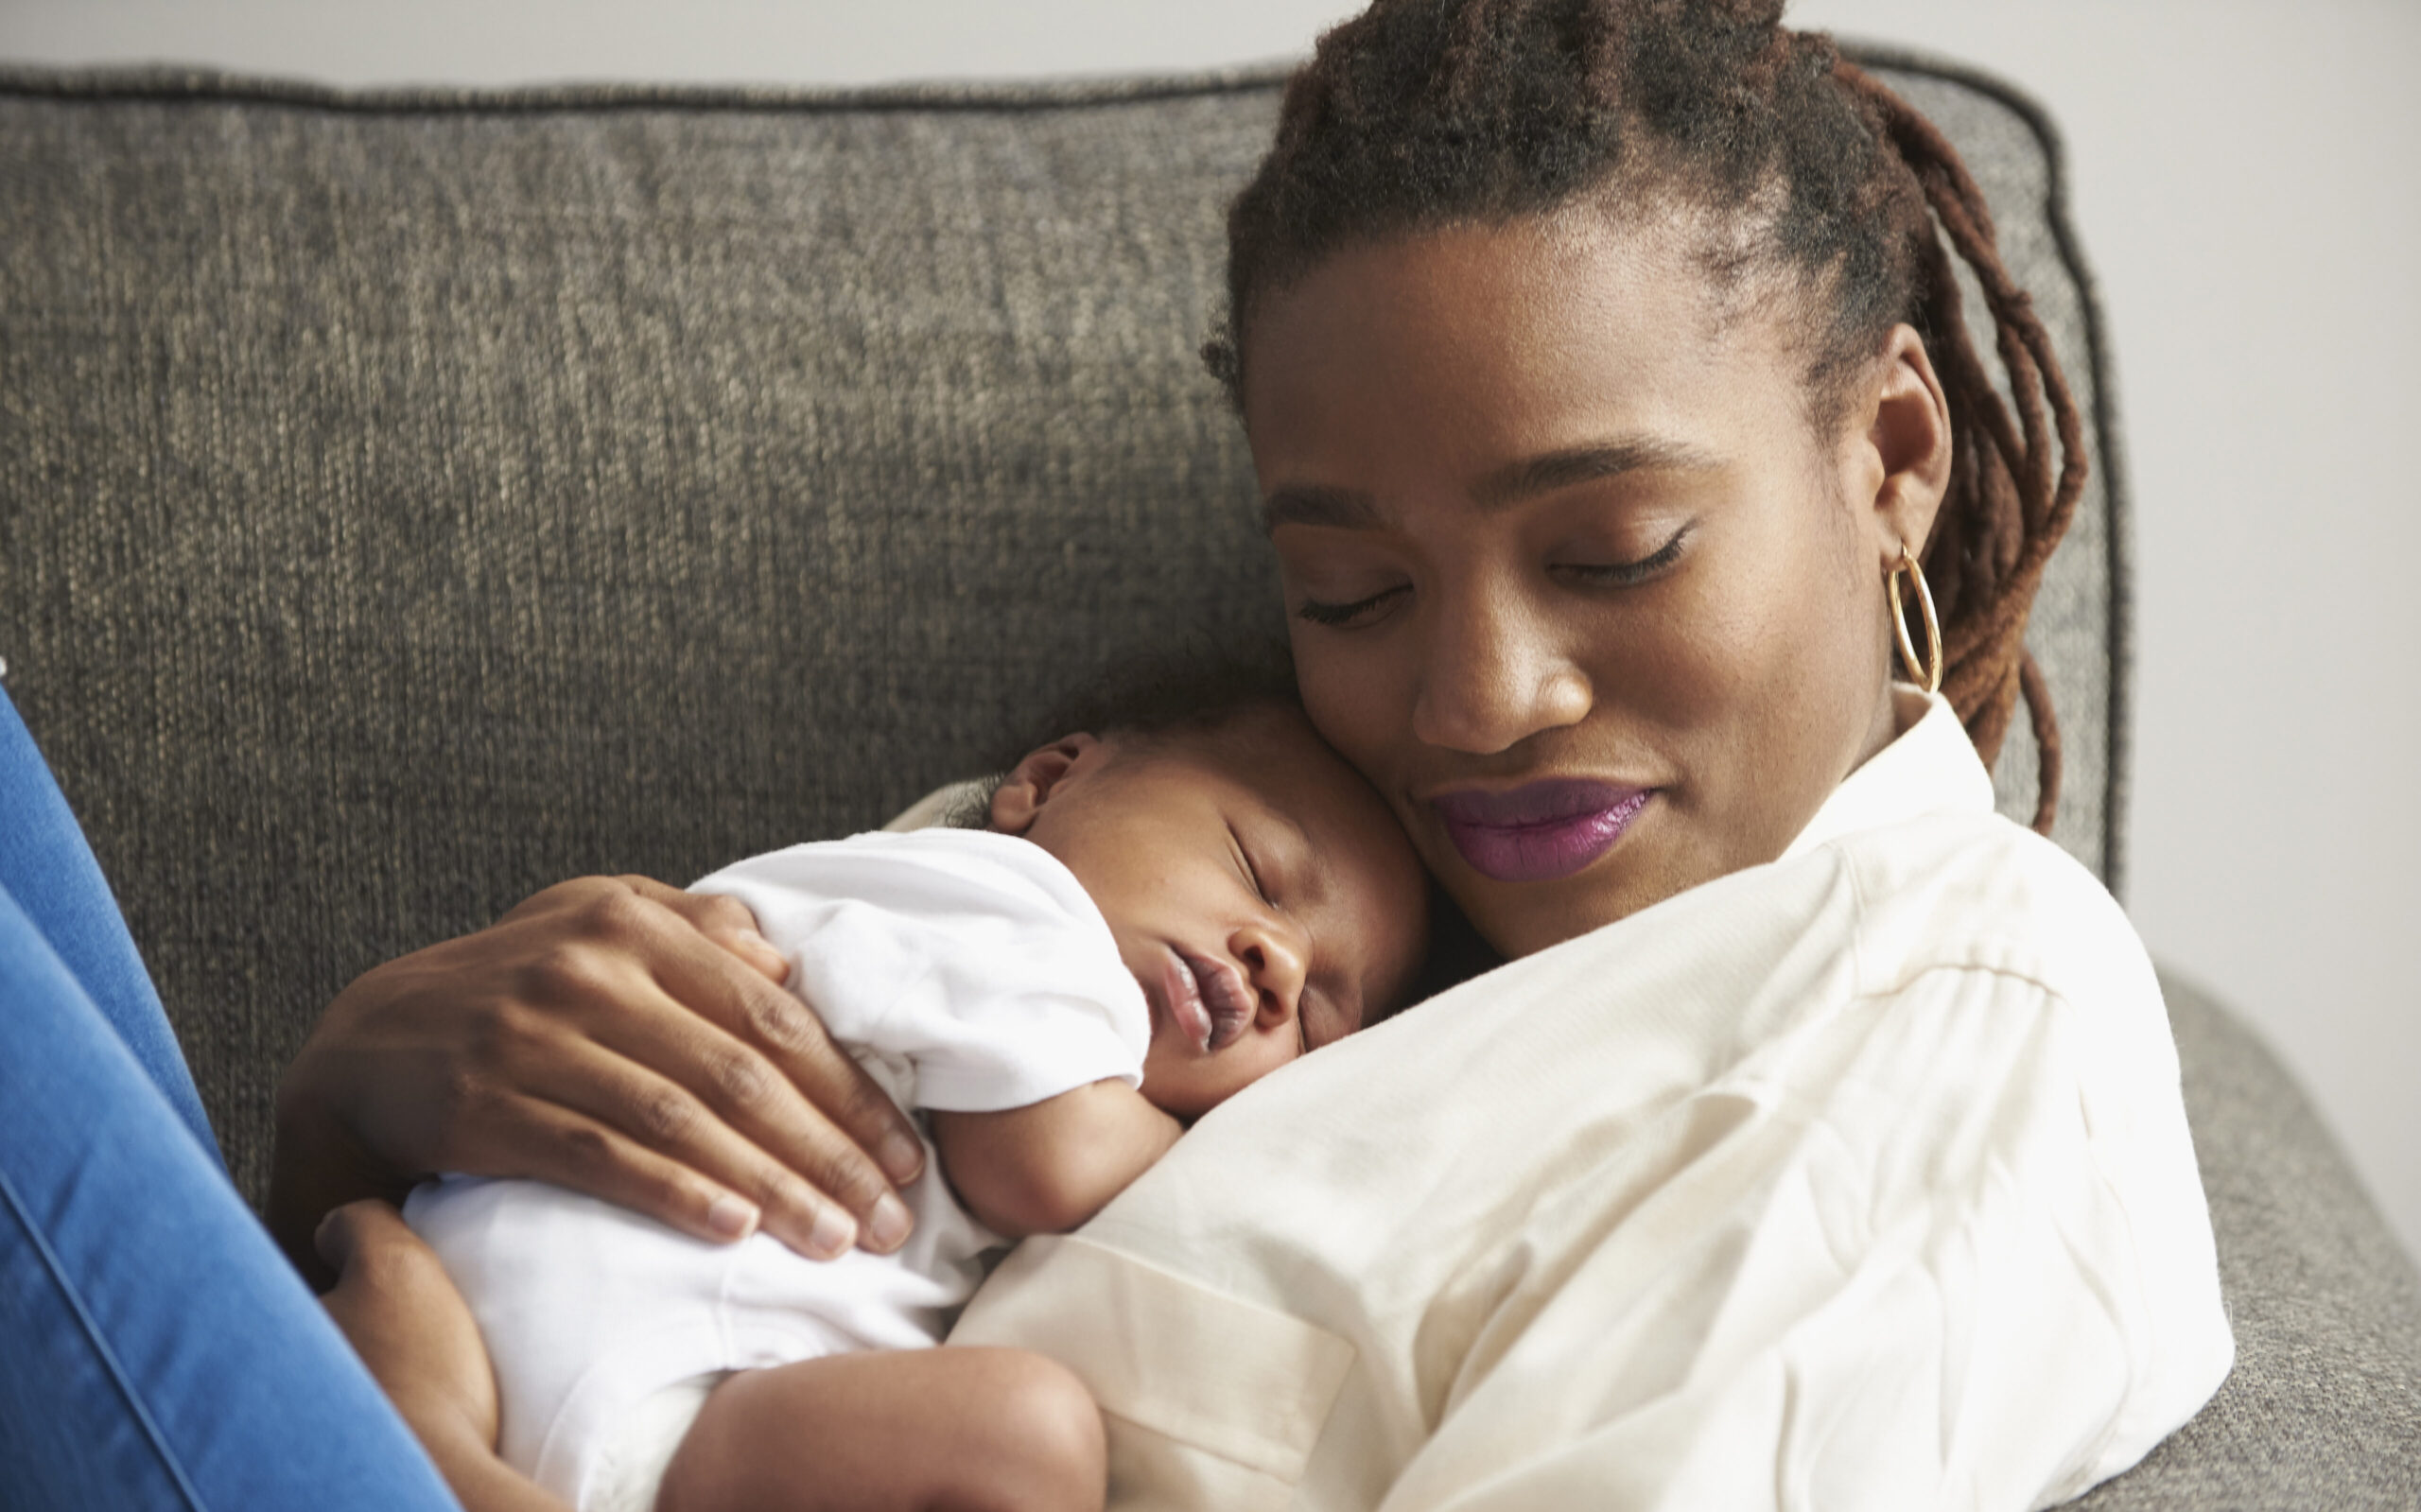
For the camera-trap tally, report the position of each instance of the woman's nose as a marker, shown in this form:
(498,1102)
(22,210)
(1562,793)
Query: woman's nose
(1275,954)
(1493,675)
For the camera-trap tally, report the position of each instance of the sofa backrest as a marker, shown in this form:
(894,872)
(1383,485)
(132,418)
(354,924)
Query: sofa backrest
(407,501)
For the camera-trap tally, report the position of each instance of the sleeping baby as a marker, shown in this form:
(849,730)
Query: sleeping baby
(1154,917)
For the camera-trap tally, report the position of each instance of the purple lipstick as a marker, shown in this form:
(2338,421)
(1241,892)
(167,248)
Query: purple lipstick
(1540,831)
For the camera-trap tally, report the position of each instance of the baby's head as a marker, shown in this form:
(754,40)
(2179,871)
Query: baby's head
(1262,894)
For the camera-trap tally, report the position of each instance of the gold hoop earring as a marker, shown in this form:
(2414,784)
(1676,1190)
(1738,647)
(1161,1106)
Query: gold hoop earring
(1932,672)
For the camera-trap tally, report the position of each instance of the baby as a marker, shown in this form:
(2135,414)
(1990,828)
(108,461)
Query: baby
(1155,917)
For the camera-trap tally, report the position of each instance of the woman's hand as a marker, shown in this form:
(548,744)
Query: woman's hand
(611,1034)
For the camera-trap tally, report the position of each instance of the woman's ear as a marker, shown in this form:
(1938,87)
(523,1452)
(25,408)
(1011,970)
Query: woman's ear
(1036,779)
(1909,431)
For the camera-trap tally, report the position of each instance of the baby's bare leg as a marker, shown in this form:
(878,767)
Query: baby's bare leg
(896,1431)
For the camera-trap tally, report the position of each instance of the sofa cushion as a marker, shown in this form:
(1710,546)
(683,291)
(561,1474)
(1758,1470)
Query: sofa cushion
(2324,1407)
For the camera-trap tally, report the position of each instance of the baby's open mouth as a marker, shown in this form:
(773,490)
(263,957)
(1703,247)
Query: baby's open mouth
(1208,998)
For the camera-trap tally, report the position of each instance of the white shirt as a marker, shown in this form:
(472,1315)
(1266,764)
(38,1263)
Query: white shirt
(1860,1179)
(967,971)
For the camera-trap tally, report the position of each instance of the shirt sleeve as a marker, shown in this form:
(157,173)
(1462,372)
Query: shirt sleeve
(975,959)
(1931,1258)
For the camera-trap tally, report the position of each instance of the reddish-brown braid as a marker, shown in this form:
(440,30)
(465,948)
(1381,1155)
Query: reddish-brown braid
(2007,509)
(1421,112)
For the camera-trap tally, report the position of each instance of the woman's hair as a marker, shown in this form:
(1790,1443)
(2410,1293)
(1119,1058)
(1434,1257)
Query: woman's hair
(1826,187)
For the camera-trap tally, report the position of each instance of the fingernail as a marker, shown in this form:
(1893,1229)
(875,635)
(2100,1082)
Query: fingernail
(834,1231)
(900,1157)
(732,1218)
(887,1226)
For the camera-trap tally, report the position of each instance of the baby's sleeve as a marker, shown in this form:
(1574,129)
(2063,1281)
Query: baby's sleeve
(975,958)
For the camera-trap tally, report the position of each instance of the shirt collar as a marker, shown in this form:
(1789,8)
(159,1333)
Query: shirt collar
(1929,768)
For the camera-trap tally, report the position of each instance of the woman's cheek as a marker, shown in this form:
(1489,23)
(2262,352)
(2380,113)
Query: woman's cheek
(1348,690)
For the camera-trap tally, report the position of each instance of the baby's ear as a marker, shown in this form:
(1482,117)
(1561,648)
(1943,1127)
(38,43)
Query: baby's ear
(1037,778)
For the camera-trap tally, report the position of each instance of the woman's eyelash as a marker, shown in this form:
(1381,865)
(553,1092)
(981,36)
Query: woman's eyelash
(1620,574)
(1624,573)
(1343,613)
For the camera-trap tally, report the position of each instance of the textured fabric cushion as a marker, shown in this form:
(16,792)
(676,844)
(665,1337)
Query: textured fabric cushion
(2324,1409)
(410,501)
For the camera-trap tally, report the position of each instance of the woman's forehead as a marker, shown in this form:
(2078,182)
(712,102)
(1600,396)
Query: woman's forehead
(1488,345)
(1593,272)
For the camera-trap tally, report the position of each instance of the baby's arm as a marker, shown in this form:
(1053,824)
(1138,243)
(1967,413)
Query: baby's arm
(403,1316)
(1048,1166)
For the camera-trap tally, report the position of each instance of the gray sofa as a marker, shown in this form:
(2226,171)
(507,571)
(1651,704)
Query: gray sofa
(411,500)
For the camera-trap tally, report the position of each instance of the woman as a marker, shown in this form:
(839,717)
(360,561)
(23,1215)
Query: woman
(1606,382)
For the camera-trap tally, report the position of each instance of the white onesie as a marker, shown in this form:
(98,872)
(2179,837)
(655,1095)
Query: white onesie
(969,972)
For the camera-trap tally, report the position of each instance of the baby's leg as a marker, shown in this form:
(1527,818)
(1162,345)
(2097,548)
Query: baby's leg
(896,1431)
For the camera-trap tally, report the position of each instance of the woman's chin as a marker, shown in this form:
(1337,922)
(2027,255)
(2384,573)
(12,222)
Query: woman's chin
(1520,919)
(1526,925)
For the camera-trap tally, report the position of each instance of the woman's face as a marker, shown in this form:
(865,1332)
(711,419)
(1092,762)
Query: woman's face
(1572,576)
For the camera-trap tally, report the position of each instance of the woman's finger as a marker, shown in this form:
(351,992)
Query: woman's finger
(720,917)
(639,976)
(654,1114)
(750,1052)
(786,1034)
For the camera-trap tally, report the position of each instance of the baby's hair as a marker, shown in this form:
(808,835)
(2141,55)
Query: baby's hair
(1161,694)
(1149,697)
(1820,182)
(1200,690)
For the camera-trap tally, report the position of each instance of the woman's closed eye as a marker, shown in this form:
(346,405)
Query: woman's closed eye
(1372,607)
(1352,612)
(1627,574)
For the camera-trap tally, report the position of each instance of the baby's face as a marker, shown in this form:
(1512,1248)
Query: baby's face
(1263,896)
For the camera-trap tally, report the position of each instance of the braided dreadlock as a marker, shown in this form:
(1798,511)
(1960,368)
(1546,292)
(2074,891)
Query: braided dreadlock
(1418,114)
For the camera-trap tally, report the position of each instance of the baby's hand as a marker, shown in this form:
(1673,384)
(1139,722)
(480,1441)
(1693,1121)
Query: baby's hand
(403,1315)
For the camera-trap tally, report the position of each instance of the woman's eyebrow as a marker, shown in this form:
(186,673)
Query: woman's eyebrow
(1549,471)
(1343,509)
(1348,509)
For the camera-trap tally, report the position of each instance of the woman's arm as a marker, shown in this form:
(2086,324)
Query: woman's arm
(1048,1166)
(1953,1253)
(395,1303)
(614,1036)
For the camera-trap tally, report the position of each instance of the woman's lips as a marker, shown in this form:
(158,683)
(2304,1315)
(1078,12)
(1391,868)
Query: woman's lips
(1540,831)
(1207,999)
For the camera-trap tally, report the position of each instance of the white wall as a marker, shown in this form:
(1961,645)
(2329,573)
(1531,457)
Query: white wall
(2248,181)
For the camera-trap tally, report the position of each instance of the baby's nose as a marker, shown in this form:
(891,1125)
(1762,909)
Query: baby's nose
(1277,955)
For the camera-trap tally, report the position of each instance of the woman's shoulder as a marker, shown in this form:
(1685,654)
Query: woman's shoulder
(1975,891)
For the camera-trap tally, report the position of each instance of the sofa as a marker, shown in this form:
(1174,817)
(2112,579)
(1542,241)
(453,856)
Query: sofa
(408,499)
